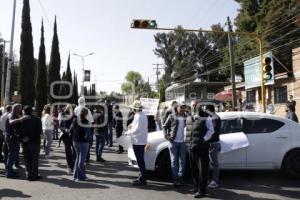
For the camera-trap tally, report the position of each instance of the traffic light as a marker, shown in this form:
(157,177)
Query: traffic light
(143,23)
(267,68)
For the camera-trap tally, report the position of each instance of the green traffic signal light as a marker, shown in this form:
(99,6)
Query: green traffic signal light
(144,24)
(152,24)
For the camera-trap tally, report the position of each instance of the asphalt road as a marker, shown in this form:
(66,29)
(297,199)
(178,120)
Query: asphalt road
(112,180)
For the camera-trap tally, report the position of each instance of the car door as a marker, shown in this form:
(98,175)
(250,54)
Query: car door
(266,137)
(235,159)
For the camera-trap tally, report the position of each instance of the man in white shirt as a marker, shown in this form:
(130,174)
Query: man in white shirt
(3,120)
(138,130)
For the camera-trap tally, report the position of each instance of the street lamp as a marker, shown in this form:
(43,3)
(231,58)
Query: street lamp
(82,60)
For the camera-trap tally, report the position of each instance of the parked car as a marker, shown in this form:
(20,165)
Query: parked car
(274,143)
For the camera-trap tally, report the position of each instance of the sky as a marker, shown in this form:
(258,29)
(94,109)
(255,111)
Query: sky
(102,27)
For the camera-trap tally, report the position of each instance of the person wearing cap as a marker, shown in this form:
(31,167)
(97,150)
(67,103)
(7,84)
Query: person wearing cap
(31,141)
(173,130)
(138,130)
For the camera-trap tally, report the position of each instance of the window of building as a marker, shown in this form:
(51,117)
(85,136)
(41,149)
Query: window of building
(251,96)
(280,94)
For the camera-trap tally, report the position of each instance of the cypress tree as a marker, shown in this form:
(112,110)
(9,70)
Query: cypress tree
(68,78)
(54,66)
(75,89)
(27,63)
(62,87)
(41,80)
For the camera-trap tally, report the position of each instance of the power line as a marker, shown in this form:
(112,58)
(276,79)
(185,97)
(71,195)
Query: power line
(268,30)
(49,23)
(44,11)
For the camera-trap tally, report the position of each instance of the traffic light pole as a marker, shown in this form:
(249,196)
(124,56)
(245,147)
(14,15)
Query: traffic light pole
(263,92)
(255,35)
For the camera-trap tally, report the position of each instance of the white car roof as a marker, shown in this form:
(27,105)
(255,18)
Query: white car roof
(228,115)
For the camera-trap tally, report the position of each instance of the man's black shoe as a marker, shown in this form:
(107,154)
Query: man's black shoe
(139,183)
(177,182)
(13,176)
(110,145)
(37,178)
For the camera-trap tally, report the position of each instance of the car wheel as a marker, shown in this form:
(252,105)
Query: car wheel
(163,164)
(292,163)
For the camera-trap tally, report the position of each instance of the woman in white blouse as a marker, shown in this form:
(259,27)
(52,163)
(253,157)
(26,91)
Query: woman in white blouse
(48,128)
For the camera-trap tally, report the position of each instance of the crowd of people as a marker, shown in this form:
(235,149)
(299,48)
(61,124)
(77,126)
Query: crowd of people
(75,126)
(190,130)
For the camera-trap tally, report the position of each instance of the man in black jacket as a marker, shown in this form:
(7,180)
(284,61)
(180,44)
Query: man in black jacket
(199,130)
(174,132)
(100,130)
(65,121)
(118,124)
(109,136)
(31,139)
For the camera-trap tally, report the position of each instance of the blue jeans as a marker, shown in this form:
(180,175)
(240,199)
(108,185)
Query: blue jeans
(177,155)
(110,133)
(214,150)
(100,143)
(139,151)
(81,153)
(12,148)
(48,135)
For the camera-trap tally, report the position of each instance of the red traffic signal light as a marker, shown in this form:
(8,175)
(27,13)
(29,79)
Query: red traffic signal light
(142,23)
(267,68)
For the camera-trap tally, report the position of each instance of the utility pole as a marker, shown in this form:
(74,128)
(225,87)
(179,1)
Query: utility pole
(10,58)
(157,68)
(232,64)
(2,73)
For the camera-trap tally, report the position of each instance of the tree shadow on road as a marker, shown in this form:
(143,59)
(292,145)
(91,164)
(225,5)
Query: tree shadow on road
(12,194)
